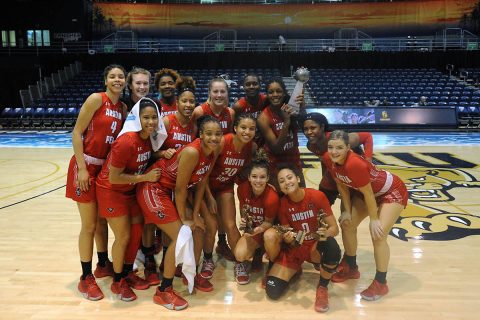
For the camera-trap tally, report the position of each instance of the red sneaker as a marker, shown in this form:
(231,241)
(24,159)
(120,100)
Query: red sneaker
(241,274)
(90,289)
(102,272)
(224,250)
(207,268)
(151,274)
(136,282)
(321,299)
(200,283)
(257,262)
(170,299)
(375,291)
(345,272)
(123,290)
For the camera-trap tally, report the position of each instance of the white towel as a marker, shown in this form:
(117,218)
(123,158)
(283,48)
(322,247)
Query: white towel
(184,254)
(132,124)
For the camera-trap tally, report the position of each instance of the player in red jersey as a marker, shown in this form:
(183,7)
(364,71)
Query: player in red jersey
(179,125)
(217,106)
(235,153)
(260,203)
(98,124)
(278,125)
(138,85)
(166,81)
(316,130)
(115,192)
(187,169)
(365,191)
(181,131)
(300,209)
(254,102)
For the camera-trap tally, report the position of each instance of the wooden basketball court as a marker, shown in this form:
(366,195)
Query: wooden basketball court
(433,274)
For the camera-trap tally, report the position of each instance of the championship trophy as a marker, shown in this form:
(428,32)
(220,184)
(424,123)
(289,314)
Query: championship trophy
(302,75)
(299,235)
(247,219)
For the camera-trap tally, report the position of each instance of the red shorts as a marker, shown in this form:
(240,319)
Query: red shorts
(396,194)
(258,238)
(113,204)
(73,190)
(156,204)
(294,257)
(218,190)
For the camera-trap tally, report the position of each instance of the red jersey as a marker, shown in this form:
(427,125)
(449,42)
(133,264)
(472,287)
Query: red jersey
(178,136)
(167,109)
(290,153)
(365,139)
(264,206)
(229,163)
(104,127)
(356,172)
(225,118)
(303,215)
(169,167)
(129,151)
(253,109)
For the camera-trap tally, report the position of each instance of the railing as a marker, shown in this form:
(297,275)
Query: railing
(424,44)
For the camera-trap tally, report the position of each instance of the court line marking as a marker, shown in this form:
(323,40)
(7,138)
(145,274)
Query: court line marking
(23,191)
(28,199)
(35,180)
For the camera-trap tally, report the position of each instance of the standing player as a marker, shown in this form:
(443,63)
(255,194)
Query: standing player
(180,132)
(235,153)
(166,81)
(187,169)
(260,204)
(217,106)
(117,203)
(254,102)
(316,130)
(138,85)
(98,124)
(300,209)
(179,125)
(279,129)
(365,191)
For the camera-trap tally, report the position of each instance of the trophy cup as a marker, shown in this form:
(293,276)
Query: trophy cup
(302,75)
(247,219)
(299,235)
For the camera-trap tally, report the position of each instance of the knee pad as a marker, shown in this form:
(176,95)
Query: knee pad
(331,253)
(275,287)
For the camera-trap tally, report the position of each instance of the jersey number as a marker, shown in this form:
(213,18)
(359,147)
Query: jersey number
(114,126)
(305,227)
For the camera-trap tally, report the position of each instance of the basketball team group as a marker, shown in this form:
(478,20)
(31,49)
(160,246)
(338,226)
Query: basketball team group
(163,175)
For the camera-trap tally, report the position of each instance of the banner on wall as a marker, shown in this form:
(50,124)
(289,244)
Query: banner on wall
(414,17)
(389,116)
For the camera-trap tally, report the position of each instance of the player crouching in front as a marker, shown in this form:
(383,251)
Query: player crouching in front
(307,230)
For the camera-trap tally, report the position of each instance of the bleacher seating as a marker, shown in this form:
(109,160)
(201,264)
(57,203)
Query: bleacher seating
(398,86)
(329,87)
